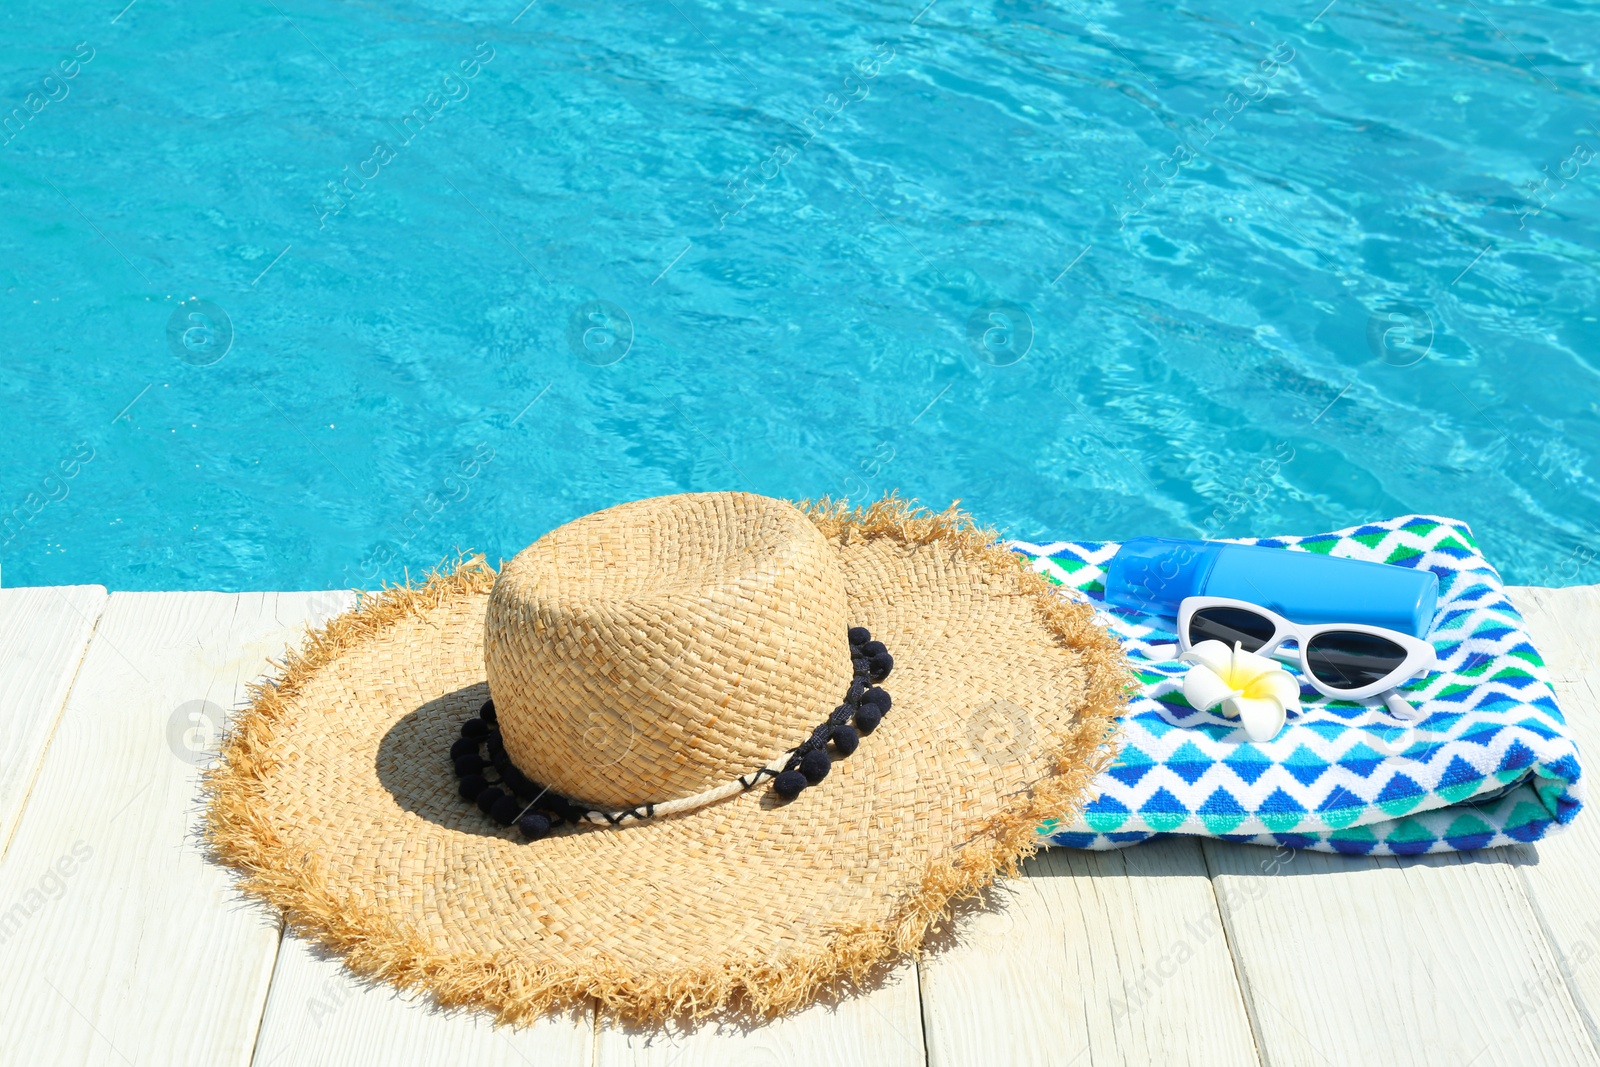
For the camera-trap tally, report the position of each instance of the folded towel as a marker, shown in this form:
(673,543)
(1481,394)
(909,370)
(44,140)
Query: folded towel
(1491,761)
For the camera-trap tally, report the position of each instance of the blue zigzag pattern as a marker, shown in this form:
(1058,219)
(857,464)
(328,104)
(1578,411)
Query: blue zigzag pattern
(1491,762)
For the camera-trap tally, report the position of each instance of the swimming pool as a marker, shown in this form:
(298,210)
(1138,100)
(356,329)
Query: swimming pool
(310,295)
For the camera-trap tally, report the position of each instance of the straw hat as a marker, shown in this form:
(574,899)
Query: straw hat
(692,753)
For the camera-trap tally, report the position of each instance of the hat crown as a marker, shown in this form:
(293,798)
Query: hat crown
(656,649)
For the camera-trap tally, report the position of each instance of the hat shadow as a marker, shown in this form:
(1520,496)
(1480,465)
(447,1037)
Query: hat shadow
(413,763)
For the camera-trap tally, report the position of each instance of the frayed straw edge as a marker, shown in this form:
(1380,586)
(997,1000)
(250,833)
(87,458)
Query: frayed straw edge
(375,947)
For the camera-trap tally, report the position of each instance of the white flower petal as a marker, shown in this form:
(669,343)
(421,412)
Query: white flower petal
(1262,719)
(1203,689)
(1214,655)
(1248,666)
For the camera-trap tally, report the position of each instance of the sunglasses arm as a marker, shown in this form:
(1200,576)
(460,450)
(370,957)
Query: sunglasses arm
(1400,707)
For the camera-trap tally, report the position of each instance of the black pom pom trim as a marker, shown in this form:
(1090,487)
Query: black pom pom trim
(502,792)
(815,765)
(789,784)
(506,810)
(489,798)
(516,781)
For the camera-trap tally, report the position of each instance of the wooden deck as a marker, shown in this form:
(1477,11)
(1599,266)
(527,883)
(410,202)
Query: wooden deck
(120,944)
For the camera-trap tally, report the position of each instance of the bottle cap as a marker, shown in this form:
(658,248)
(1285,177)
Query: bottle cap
(1152,575)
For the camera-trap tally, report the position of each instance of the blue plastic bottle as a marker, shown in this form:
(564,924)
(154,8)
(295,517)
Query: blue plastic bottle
(1152,575)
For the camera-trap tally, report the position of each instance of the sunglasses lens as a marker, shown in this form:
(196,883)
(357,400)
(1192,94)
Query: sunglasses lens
(1230,625)
(1344,660)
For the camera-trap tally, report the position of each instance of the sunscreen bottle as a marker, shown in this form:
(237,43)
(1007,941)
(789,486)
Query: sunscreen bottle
(1152,575)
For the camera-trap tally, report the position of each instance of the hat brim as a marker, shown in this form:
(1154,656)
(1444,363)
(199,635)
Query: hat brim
(337,803)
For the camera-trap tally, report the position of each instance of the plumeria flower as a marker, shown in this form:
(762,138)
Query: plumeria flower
(1256,690)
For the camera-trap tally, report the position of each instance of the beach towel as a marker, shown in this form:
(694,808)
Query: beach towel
(1490,762)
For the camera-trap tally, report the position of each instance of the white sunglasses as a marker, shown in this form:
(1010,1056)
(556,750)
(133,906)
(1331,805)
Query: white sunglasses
(1348,661)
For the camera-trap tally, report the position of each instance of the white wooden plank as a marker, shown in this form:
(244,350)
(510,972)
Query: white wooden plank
(1562,883)
(1349,959)
(1436,959)
(1091,958)
(43,634)
(318,1013)
(1563,625)
(878,1028)
(123,944)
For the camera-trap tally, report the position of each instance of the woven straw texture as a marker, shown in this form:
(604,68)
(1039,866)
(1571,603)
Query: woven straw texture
(336,801)
(657,649)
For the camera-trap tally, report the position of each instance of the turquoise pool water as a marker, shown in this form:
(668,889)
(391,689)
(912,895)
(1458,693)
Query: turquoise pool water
(303,295)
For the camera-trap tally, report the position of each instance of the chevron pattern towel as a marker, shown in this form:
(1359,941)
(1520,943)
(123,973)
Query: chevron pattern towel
(1491,761)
